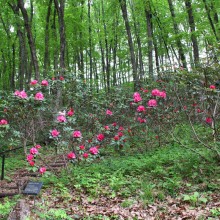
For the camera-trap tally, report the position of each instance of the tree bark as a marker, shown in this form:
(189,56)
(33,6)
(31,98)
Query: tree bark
(137,35)
(90,44)
(46,40)
(30,38)
(176,31)
(188,4)
(210,20)
(123,6)
(60,11)
(150,38)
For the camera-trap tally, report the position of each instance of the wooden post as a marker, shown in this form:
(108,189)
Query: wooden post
(3,166)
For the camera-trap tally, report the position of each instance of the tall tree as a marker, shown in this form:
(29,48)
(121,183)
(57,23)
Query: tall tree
(60,6)
(30,38)
(192,26)
(150,38)
(123,6)
(177,32)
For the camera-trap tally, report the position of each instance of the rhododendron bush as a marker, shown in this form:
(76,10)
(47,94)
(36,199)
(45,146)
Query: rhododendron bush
(66,114)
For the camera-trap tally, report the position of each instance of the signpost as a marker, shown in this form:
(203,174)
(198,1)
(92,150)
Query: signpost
(33,188)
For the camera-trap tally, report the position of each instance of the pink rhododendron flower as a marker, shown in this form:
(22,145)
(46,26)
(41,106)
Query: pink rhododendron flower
(152,103)
(77,134)
(3,122)
(116,137)
(199,110)
(114,124)
(33,150)
(22,95)
(184,107)
(141,120)
(208,120)
(100,137)
(70,112)
(141,108)
(162,94)
(61,78)
(17,93)
(71,155)
(33,82)
(82,147)
(37,146)
(42,170)
(137,97)
(120,134)
(61,118)
(44,83)
(194,104)
(30,157)
(85,155)
(39,96)
(107,127)
(108,112)
(121,128)
(212,87)
(155,92)
(94,150)
(31,163)
(55,133)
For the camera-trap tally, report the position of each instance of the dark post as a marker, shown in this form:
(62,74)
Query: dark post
(3,166)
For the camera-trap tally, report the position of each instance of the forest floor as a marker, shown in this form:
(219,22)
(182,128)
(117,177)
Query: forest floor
(168,184)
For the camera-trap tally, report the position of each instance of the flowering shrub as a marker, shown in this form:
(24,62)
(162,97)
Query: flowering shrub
(92,125)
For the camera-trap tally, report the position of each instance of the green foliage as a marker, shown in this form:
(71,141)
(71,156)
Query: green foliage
(5,207)
(195,199)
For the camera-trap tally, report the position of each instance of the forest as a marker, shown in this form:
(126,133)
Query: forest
(110,107)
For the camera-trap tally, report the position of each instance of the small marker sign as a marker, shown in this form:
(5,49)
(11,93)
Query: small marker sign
(33,188)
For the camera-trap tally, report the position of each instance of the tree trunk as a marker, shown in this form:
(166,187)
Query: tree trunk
(176,31)
(137,35)
(90,44)
(123,6)
(188,4)
(150,39)
(30,38)
(60,11)
(210,20)
(46,40)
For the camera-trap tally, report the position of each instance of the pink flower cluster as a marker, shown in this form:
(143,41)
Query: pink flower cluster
(33,152)
(3,122)
(21,94)
(71,155)
(100,137)
(39,96)
(70,112)
(43,82)
(152,103)
(108,112)
(157,92)
(54,133)
(141,120)
(94,150)
(61,118)
(212,87)
(137,97)
(77,134)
